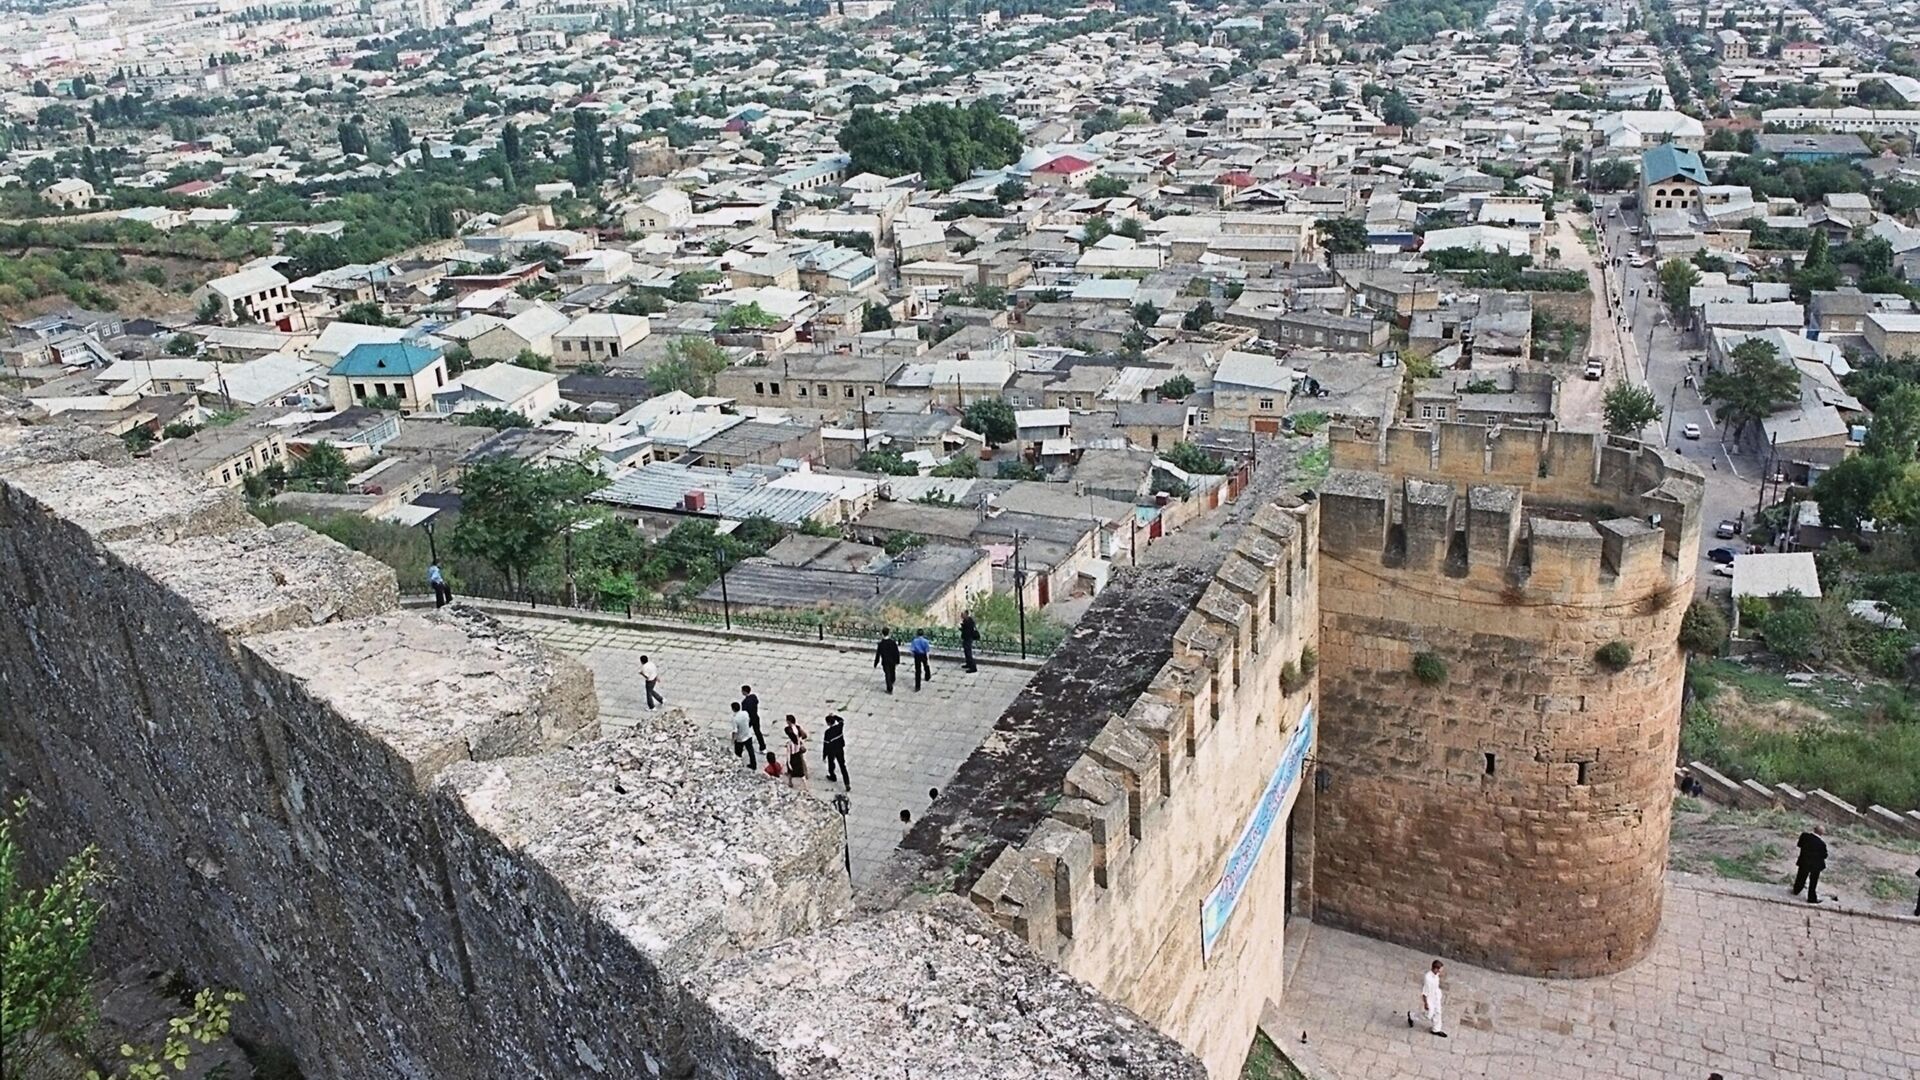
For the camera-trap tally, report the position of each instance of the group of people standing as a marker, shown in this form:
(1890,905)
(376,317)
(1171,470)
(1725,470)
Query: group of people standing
(747,735)
(886,654)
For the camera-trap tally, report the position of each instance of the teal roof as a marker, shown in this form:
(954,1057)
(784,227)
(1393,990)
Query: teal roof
(385,358)
(1666,161)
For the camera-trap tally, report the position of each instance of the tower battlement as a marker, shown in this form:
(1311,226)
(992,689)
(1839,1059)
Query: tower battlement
(1105,852)
(1513,557)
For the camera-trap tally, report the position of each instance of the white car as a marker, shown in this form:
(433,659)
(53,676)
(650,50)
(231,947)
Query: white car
(1595,369)
(1639,262)
(1691,431)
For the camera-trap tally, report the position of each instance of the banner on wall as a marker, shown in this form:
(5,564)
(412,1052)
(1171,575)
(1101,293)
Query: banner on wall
(1217,908)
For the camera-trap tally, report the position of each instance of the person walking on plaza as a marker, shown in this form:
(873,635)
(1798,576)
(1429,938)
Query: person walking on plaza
(750,701)
(969,633)
(922,650)
(833,747)
(1431,999)
(1813,859)
(442,592)
(742,736)
(650,676)
(886,656)
(796,754)
(1916,899)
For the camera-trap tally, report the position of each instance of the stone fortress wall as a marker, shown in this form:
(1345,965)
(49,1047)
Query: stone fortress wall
(403,836)
(1112,879)
(1514,814)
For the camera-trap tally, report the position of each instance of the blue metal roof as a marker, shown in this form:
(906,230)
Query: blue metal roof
(385,358)
(1666,161)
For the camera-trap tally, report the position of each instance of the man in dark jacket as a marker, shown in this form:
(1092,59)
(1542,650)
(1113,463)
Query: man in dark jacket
(969,633)
(1813,859)
(886,656)
(833,747)
(750,701)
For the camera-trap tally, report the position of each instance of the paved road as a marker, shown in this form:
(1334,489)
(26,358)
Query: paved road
(897,746)
(1732,475)
(1749,987)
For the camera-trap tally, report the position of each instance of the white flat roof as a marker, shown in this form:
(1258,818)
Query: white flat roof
(1771,574)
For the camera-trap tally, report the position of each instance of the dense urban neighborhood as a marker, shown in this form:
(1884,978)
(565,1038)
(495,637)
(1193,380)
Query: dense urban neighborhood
(1492,424)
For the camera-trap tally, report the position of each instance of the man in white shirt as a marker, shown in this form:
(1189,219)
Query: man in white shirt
(1431,997)
(650,675)
(743,736)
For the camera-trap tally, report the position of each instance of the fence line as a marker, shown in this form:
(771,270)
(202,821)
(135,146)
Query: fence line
(806,627)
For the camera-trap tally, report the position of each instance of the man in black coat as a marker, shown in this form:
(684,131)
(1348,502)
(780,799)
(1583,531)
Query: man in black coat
(886,656)
(969,633)
(1813,859)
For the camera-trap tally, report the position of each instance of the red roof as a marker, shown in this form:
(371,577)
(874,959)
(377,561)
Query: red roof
(1066,163)
(1239,179)
(191,187)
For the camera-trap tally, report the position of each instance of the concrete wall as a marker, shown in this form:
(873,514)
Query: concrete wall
(1112,882)
(1514,815)
(402,836)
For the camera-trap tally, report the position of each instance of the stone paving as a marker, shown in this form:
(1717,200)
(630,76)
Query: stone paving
(1738,983)
(898,746)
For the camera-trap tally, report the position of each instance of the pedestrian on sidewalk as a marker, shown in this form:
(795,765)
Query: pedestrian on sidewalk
(1813,859)
(833,747)
(1431,999)
(969,633)
(750,701)
(922,650)
(650,676)
(742,736)
(886,656)
(442,592)
(1916,899)
(796,754)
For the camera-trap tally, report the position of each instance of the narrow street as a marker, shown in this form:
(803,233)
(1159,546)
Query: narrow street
(1639,327)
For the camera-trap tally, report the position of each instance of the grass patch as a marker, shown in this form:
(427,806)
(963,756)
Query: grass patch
(1887,887)
(1266,1062)
(1866,751)
(1749,865)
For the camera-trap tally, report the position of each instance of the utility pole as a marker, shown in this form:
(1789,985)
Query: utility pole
(726,606)
(1671,398)
(1020,593)
(1766,477)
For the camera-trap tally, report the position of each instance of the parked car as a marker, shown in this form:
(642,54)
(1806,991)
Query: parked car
(1728,529)
(1691,431)
(1595,369)
(1723,555)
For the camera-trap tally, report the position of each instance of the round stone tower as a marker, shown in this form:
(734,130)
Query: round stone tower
(1500,681)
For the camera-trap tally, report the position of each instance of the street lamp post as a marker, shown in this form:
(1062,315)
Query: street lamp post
(845,806)
(726,606)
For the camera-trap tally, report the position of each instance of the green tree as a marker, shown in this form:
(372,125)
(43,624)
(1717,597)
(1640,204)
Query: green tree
(1849,492)
(1145,314)
(1755,385)
(324,468)
(992,419)
(367,312)
(1894,432)
(1189,458)
(749,315)
(1015,469)
(1010,191)
(960,466)
(1106,187)
(886,463)
(1197,316)
(1096,228)
(494,417)
(510,512)
(1677,279)
(876,317)
(1396,110)
(510,143)
(1342,236)
(1629,408)
(690,365)
(1176,388)
(182,345)
(399,139)
(1792,628)
(1614,175)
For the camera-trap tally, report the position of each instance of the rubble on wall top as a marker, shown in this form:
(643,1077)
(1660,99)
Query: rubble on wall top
(900,995)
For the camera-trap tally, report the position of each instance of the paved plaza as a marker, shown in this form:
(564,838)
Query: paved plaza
(898,746)
(1737,983)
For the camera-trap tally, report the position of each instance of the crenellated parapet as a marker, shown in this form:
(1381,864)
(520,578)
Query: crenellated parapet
(1552,513)
(1195,745)
(1499,612)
